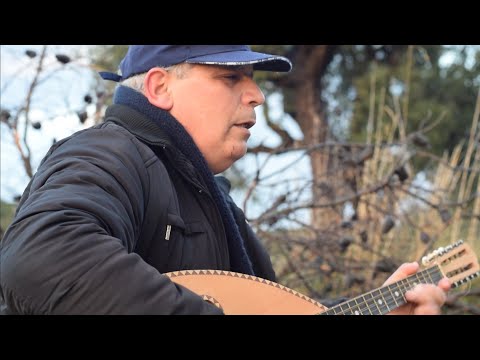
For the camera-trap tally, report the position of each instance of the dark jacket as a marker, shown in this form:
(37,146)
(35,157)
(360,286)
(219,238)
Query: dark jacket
(109,210)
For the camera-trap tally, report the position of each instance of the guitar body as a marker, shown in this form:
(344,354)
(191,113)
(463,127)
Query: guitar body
(240,294)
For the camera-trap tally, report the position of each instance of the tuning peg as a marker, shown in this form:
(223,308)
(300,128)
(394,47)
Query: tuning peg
(425,261)
(458,243)
(466,279)
(457,284)
(430,256)
(437,252)
(473,276)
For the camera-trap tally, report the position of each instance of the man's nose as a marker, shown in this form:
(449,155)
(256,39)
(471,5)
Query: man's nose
(253,95)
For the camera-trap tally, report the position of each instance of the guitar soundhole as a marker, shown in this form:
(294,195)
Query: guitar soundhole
(212,300)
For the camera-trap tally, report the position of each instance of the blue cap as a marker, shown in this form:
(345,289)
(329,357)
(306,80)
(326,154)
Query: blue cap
(141,58)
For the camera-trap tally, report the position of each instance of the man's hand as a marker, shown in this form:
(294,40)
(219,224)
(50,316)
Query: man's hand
(423,299)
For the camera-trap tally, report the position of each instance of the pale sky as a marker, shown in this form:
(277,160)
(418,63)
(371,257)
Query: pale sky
(51,105)
(64,91)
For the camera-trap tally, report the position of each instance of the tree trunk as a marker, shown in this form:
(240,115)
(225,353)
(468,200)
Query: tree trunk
(311,117)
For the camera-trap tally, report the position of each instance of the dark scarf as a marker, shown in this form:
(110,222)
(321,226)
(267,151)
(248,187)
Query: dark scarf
(239,260)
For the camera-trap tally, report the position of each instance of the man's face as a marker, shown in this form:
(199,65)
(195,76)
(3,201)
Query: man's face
(216,105)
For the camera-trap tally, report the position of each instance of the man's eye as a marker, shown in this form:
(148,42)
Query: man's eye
(232,77)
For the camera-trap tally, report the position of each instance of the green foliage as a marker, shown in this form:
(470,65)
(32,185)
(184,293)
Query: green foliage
(445,92)
(6,214)
(436,89)
(108,57)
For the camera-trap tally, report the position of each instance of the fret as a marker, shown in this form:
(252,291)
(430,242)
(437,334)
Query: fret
(424,279)
(389,296)
(359,311)
(349,311)
(366,302)
(335,310)
(435,277)
(349,308)
(403,287)
(330,311)
(396,294)
(429,275)
(344,307)
(382,291)
(378,301)
(393,295)
(429,279)
(372,301)
(436,273)
(415,280)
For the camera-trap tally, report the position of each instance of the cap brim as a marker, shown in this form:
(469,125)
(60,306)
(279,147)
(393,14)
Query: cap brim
(260,61)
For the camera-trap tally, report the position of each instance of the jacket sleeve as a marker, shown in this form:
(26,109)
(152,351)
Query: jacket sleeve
(70,247)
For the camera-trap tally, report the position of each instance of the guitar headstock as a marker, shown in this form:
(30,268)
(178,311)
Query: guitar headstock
(457,262)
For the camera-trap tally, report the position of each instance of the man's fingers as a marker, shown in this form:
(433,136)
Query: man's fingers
(402,272)
(424,299)
(426,310)
(445,284)
(426,295)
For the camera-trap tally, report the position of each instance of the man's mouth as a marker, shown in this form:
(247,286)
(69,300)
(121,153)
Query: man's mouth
(247,124)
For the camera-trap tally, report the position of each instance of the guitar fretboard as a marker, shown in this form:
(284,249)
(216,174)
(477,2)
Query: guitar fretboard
(383,300)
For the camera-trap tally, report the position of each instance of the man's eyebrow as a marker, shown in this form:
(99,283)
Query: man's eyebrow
(248,71)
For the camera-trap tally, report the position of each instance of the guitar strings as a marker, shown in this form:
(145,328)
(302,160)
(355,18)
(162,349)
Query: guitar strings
(403,285)
(434,270)
(385,297)
(375,305)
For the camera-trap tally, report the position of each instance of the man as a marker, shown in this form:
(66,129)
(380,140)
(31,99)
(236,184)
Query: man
(113,207)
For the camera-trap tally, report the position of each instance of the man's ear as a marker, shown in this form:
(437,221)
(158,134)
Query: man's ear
(156,88)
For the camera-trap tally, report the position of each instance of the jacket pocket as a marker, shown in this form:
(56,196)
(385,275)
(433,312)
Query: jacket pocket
(194,228)
(174,222)
(198,248)
(190,247)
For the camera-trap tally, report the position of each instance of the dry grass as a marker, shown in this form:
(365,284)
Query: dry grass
(424,218)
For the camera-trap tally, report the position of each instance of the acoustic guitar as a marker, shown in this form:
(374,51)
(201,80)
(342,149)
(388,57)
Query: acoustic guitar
(240,294)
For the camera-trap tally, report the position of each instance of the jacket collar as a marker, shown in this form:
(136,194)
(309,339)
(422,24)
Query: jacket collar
(145,130)
(138,124)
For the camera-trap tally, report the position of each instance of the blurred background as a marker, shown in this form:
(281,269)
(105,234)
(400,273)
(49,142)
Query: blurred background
(362,158)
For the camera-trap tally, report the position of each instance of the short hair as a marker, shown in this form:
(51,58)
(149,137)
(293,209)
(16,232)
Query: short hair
(136,82)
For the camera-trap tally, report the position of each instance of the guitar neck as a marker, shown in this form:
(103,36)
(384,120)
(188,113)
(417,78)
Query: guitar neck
(383,300)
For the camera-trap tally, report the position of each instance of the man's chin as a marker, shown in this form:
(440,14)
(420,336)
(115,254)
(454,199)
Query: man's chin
(237,156)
